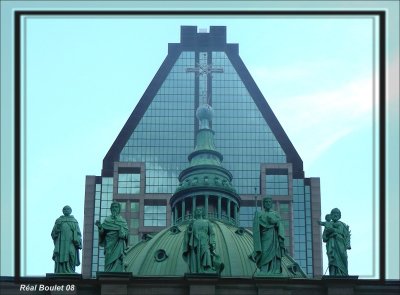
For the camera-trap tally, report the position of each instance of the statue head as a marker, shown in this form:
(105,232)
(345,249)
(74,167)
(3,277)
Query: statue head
(67,210)
(328,217)
(336,214)
(199,212)
(115,209)
(267,203)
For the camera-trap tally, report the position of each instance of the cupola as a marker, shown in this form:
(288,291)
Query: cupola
(205,182)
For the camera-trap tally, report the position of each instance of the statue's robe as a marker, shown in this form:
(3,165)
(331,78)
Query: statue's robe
(198,241)
(337,239)
(114,238)
(268,239)
(67,239)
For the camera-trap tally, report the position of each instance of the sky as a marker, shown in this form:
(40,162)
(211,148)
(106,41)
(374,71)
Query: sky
(84,76)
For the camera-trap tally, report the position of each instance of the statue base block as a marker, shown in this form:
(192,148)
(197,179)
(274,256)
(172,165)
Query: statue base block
(114,282)
(64,276)
(339,278)
(113,275)
(263,275)
(199,276)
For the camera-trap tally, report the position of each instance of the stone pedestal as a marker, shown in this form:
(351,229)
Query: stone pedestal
(201,276)
(261,275)
(271,285)
(114,283)
(202,283)
(111,275)
(202,290)
(339,278)
(61,283)
(63,276)
(340,285)
(273,291)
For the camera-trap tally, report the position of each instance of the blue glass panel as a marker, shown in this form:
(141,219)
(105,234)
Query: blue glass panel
(155,215)
(242,135)
(246,216)
(165,134)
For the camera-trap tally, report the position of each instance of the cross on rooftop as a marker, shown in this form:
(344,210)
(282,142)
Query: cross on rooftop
(204,69)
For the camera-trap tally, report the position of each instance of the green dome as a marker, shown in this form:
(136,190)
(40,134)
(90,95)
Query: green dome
(161,255)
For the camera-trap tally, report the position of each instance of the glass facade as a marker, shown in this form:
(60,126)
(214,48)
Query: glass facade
(285,217)
(123,207)
(277,182)
(246,216)
(103,200)
(164,136)
(241,133)
(134,206)
(129,183)
(302,225)
(133,224)
(309,238)
(155,215)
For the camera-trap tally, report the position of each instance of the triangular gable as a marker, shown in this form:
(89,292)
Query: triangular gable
(193,41)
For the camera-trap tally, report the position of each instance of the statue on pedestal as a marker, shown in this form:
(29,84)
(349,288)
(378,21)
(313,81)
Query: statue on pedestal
(336,235)
(268,239)
(113,236)
(199,246)
(67,240)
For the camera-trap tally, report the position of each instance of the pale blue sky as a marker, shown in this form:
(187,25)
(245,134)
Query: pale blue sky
(84,77)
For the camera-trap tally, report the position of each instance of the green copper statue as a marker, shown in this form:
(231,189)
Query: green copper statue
(67,242)
(113,236)
(199,246)
(268,239)
(336,235)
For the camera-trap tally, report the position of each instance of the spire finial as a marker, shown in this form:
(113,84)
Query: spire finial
(204,114)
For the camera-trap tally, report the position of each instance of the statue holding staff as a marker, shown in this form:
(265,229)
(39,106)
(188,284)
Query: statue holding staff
(113,236)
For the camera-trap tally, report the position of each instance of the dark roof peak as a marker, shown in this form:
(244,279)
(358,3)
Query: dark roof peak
(190,35)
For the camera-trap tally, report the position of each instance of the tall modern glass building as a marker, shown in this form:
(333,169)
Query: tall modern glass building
(141,168)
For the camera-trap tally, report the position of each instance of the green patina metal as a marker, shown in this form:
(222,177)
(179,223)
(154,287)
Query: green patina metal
(205,182)
(205,169)
(268,238)
(205,144)
(113,236)
(206,177)
(336,235)
(199,246)
(67,240)
(235,250)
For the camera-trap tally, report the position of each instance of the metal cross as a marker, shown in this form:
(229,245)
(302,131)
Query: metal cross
(204,69)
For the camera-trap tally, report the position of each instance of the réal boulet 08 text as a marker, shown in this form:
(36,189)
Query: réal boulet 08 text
(43,287)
